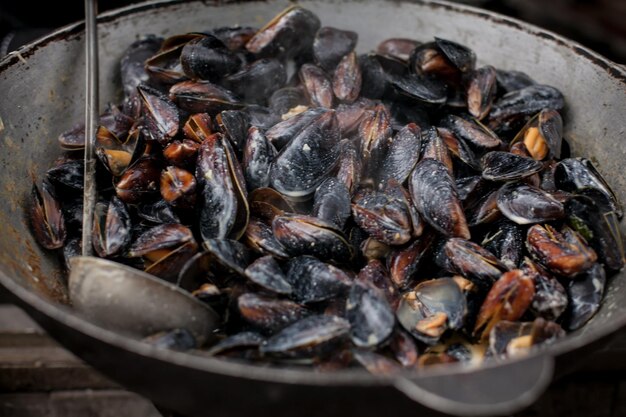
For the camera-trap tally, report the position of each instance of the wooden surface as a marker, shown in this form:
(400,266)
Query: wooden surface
(38,378)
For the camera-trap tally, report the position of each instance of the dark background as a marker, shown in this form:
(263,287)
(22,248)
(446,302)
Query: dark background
(597,24)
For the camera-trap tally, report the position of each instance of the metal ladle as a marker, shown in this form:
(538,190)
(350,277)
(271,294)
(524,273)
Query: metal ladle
(110,294)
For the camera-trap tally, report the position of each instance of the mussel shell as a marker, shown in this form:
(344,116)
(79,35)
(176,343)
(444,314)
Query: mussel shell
(435,148)
(508,299)
(331,45)
(132,68)
(585,295)
(550,300)
(527,102)
(237,341)
(347,79)
(255,82)
(267,203)
(317,85)
(598,229)
(235,37)
(505,166)
(472,261)
(307,337)
(266,273)
(269,314)
(178,187)
(46,217)
(283,132)
(577,174)
(404,349)
(234,124)
(428,299)
(474,133)
(383,216)
(375,81)
(420,89)
(398,48)
(257,157)
(402,155)
(111,228)
(285,99)
(207,58)
(157,212)
(404,264)
(177,339)
(375,363)
(224,210)
(203,97)
(287,35)
(165,236)
(513,80)
(140,182)
(506,241)
(434,194)
(161,114)
(349,165)
(332,202)
(68,175)
(525,204)
(481,91)
(371,318)
(229,255)
(313,280)
(564,253)
(461,56)
(304,162)
(260,238)
(181,153)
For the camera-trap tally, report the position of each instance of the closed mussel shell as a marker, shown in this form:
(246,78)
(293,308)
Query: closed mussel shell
(111,228)
(505,166)
(266,273)
(269,314)
(46,217)
(525,204)
(434,194)
(313,280)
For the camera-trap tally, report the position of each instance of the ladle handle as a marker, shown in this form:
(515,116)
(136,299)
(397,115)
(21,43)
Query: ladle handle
(91,118)
(489,391)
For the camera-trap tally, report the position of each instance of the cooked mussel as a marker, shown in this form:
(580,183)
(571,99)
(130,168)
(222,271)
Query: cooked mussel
(313,280)
(46,217)
(111,228)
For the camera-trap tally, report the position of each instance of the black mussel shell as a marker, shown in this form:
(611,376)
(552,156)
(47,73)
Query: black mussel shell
(331,45)
(525,204)
(371,318)
(46,217)
(332,202)
(255,82)
(269,314)
(258,155)
(585,295)
(313,280)
(505,166)
(266,273)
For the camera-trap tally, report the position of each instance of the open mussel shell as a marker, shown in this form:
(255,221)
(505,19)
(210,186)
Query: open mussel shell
(164,67)
(578,174)
(178,187)
(283,132)
(461,56)
(526,204)
(505,166)
(287,35)
(140,182)
(313,280)
(132,63)
(269,314)
(304,162)
(267,203)
(431,309)
(420,89)
(434,194)
(508,299)
(398,48)
(371,318)
(404,263)
(564,253)
(306,235)
(46,217)
(312,336)
(542,136)
(515,338)
(117,155)
(266,273)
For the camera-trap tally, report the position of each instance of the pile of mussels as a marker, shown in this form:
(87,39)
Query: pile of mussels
(395,209)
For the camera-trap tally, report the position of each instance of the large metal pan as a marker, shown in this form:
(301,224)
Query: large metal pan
(42,94)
